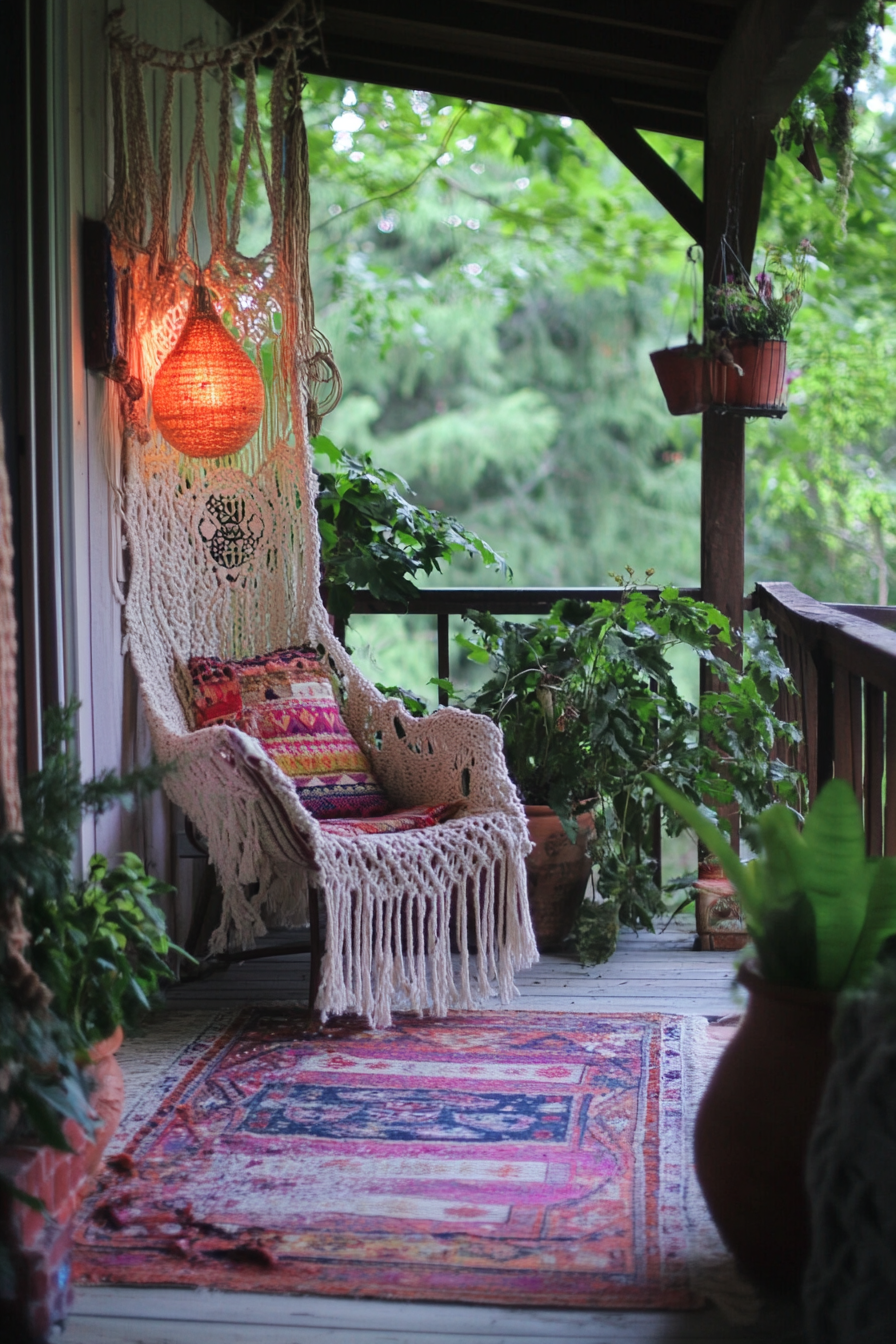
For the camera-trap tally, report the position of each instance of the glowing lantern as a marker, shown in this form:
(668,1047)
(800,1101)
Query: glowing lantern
(208,397)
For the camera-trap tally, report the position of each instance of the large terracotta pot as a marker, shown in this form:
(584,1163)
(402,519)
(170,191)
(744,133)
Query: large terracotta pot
(761,385)
(683,373)
(557,874)
(753,1128)
(107,1098)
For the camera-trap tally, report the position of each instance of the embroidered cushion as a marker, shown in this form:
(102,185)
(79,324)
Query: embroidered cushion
(408,819)
(286,700)
(223,689)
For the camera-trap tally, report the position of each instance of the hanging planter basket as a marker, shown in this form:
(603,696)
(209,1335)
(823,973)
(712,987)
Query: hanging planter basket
(754,383)
(683,371)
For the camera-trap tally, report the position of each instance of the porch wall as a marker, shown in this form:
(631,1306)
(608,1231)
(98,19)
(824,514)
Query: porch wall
(112,730)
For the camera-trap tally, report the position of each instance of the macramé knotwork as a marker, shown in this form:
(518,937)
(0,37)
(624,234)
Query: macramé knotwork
(225,562)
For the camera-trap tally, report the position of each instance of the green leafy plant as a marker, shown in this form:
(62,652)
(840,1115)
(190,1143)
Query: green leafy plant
(374,540)
(93,949)
(824,111)
(588,706)
(818,909)
(102,947)
(762,308)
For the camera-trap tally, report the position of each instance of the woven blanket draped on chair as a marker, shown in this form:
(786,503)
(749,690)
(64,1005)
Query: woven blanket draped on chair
(224,562)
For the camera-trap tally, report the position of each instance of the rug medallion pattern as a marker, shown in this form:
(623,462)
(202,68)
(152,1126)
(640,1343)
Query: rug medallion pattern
(502,1158)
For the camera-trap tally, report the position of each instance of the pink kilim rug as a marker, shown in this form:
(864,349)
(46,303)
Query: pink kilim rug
(507,1158)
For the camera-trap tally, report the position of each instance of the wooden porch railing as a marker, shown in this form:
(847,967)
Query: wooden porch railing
(843,660)
(445,602)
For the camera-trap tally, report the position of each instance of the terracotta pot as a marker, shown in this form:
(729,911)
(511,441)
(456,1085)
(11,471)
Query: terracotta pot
(557,873)
(683,372)
(107,1098)
(753,1128)
(764,365)
(720,921)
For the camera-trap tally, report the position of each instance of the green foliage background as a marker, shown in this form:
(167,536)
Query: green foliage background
(493,282)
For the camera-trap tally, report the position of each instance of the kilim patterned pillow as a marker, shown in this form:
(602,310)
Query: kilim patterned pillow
(223,690)
(285,699)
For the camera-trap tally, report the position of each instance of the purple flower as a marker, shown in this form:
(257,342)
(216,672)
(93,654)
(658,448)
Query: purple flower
(764,285)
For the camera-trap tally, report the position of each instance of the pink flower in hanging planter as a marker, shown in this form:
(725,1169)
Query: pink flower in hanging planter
(764,285)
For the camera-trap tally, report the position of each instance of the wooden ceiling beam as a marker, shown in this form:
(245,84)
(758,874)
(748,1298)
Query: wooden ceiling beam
(669,111)
(704,20)
(774,48)
(466,24)
(610,124)
(684,125)
(667,117)
(682,64)
(394,69)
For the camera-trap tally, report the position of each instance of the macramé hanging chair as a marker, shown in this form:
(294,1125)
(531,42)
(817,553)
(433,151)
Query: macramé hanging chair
(224,560)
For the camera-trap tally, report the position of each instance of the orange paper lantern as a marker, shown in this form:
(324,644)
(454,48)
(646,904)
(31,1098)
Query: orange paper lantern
(208,397)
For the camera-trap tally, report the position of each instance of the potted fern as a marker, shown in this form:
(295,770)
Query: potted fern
(819,912)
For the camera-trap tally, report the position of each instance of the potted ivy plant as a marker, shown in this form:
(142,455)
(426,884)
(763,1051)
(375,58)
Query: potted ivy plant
(748,321)
(374,540)
(819,912)
(588,704)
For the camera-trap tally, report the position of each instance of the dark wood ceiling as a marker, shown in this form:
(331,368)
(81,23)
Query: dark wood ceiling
(653,58)
(705,69)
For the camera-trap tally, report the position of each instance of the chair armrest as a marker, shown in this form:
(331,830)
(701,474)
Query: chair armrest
(447,756)
(223,761)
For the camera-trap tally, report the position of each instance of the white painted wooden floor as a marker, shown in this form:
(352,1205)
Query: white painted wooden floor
(648,973)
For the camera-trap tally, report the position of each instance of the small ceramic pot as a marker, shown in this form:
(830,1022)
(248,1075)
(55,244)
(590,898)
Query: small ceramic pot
(753,1127)
(557,874)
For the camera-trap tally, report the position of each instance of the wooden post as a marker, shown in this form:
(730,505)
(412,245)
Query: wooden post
(774,47)
(734,171)
(733,176)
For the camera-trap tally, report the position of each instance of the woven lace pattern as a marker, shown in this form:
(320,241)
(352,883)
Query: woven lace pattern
(225,562)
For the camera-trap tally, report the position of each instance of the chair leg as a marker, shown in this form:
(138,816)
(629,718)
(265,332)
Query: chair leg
(316,952)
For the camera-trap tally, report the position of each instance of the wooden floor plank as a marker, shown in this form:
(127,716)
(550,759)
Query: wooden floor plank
(155,1316)
(93,1330)
(655,972)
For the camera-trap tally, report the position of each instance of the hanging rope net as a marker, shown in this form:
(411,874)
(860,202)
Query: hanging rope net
(224,556)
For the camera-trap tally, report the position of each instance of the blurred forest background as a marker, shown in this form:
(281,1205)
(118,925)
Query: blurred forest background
(492,282)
